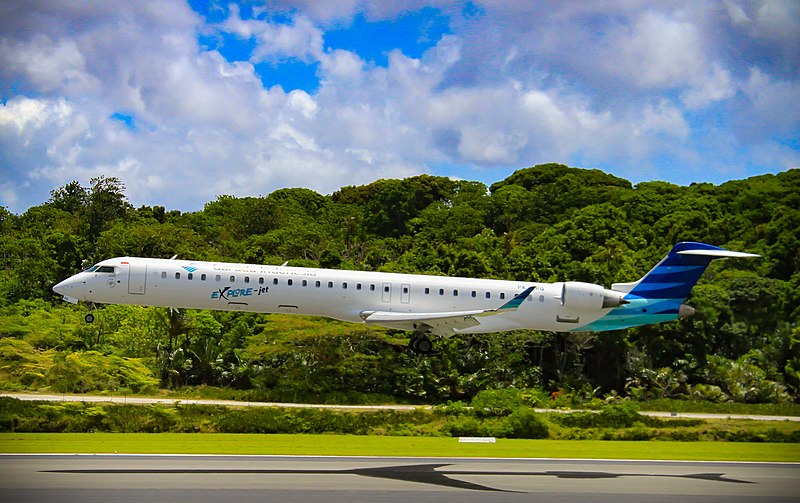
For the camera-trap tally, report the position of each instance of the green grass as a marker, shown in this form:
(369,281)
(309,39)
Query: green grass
(351,445)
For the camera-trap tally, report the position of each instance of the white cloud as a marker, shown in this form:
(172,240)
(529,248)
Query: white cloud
(590,83)
(656,51)
(716,85)
(26,114)
(49,65)
(772,103)
(277,41)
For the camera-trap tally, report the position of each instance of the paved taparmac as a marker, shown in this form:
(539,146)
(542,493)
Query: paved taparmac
(201,479)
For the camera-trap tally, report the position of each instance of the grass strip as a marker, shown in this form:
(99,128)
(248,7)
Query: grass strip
(353,445)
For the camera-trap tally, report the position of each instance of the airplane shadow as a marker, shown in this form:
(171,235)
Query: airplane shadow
(420,473)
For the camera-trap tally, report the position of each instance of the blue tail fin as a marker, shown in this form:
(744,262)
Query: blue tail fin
(675,276)
(659,294)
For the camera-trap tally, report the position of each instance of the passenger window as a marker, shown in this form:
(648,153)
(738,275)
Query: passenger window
(164,275)
(330,284)
(541,298)
(344,286)
(358,286)
(289,282)
(488,295)
(427,290)
(247,279)
(502,296)
(474,294)
(274,281)
(202,277)
(441,291)
(233,279)
(455,293)
(318,284)
(372,288)
(177,275)
(218,277)
(305,283)
(260,281)
(190,276)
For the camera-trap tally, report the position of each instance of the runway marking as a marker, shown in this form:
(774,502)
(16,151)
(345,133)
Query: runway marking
(421,473)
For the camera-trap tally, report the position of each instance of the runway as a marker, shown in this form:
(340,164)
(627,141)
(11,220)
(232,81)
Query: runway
(203,479)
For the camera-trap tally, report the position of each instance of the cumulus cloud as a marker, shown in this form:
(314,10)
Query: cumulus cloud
(615,85)
(276,41)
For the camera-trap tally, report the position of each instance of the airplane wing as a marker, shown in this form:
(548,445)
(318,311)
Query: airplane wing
(441,323)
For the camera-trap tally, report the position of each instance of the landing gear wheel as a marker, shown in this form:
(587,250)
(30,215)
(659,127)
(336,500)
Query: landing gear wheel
(89,318)
(424,346)
(421,345)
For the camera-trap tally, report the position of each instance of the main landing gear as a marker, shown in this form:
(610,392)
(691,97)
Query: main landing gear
(420,344)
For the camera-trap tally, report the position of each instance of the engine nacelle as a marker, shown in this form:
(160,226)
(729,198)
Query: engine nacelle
(581,296)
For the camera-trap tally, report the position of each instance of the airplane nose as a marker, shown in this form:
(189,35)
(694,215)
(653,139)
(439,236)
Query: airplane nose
(70,289)
(61,288)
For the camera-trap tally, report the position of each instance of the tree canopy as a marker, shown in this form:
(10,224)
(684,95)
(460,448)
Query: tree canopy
(545,223)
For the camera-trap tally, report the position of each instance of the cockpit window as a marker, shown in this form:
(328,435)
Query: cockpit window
(105,268)
(92,269)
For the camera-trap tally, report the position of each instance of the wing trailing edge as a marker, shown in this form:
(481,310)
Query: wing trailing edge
(442,323)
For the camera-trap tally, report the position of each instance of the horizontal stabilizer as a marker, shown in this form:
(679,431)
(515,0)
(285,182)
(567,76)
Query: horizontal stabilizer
(719,253)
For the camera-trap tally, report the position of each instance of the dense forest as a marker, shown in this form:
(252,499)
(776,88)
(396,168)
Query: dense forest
(545,223)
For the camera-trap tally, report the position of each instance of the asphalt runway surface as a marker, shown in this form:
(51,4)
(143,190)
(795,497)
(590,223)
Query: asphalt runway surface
(241,479)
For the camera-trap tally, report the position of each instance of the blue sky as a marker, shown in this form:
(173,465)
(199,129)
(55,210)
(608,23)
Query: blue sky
(185,101)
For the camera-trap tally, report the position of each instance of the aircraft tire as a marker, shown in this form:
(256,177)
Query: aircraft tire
(424,346)
(420,345)
(89,318)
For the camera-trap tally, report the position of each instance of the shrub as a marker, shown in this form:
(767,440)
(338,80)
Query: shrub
(526,423)
(635,434)
(465,426)
(612,416)
(497,402)
(81,372)
(619,416)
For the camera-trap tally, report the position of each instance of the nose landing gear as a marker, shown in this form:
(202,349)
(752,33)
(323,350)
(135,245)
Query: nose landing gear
(89,318)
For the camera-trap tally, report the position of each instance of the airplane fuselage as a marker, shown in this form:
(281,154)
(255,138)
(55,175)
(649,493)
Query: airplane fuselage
(340,294)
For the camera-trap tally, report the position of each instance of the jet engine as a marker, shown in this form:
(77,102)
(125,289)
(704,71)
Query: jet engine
(580,296)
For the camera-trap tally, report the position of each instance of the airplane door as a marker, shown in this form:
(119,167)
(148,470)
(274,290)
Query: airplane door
(405,293)
(386,296)
(137,276)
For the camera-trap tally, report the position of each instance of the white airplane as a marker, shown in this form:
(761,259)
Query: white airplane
(426,305)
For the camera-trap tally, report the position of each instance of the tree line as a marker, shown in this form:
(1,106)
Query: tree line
(545,223)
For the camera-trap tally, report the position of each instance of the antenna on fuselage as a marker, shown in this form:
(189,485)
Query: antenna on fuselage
(284,264)
(174,257)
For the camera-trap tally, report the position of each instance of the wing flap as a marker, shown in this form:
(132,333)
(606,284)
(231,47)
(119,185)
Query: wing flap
(442,323)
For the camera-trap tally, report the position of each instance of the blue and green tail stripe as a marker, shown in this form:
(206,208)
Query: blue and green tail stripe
(658,296)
